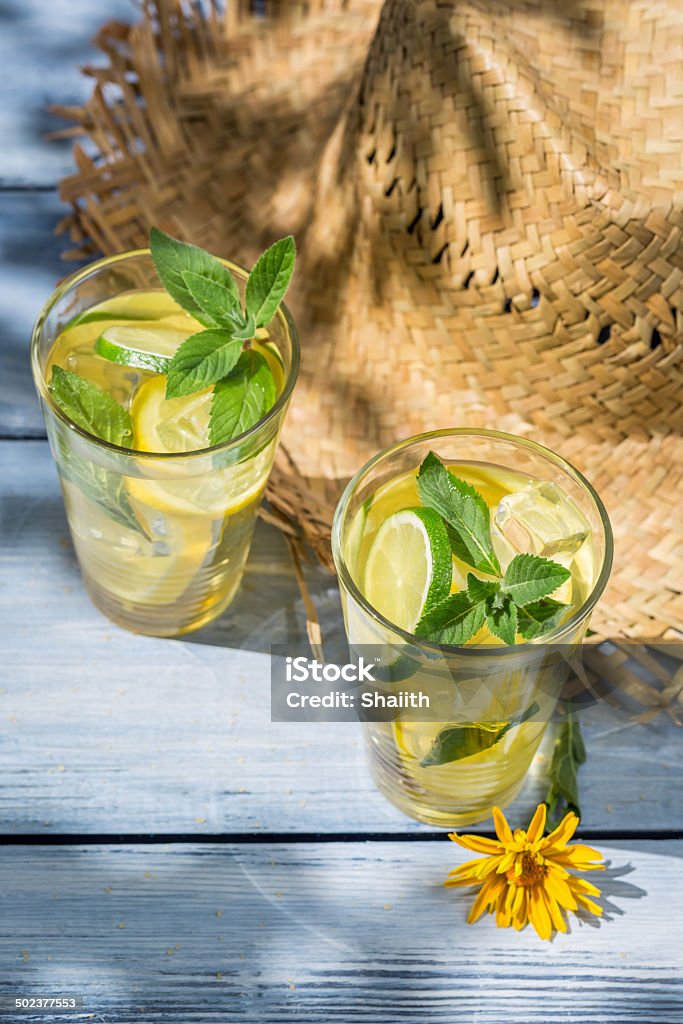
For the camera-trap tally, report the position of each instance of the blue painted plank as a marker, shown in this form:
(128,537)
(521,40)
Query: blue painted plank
(30,267)
(103,731)
(328,933)
(42,47)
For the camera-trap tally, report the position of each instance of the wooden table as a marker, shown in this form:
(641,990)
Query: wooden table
(166,851)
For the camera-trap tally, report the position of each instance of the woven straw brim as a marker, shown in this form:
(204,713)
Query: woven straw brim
(488,202)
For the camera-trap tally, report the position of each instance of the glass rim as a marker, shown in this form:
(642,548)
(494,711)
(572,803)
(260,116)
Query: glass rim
(105,261)
(345,576)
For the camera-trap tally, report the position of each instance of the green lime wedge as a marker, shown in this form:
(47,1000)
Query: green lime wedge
(91,317)
(409,566)
(147,348)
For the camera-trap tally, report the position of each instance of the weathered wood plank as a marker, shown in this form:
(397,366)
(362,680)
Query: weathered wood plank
(31,267)
(42,47)
(102,731)
(332,932)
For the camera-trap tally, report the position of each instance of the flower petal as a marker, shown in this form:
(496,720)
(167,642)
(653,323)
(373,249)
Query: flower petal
(505,863)
(520,916)
(554,868)
(578,885)
(538,913)
(503,919)
(580,856)
(511,899)
(478,844)
(537,824)
(559,889)
(503,830)
(452,883)
(559,838)
(470,866)
(486,897)
(556,915)
(594,908)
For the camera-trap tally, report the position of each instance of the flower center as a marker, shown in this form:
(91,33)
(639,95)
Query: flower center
(532,871)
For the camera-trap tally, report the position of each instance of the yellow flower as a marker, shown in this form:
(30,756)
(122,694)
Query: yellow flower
(525,877)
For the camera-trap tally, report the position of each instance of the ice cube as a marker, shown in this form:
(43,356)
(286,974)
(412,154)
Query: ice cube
(540,519)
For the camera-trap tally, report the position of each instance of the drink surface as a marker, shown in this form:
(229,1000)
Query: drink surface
(527,515)
(498,717)
(181,425)
(162,543)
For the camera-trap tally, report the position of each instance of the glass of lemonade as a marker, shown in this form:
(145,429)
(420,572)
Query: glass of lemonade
(490,700)
(162,529)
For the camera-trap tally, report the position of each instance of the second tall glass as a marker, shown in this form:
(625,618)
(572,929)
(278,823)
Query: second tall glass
(492,703)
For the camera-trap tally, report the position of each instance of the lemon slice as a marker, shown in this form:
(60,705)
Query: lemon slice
(146,348)
(179,425)
(409,566)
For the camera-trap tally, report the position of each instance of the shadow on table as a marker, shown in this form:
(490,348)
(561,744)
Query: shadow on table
(269,609)
(612,886)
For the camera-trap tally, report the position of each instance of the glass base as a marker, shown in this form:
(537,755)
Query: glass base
(172,620)
(455,793)
(420,811)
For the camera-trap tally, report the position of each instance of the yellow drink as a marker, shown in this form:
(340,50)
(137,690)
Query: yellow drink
(501,699)
(161,531)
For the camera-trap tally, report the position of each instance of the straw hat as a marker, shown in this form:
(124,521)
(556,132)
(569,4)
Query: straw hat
(488,200)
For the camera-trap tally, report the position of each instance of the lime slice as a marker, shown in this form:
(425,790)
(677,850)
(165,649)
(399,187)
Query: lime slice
(147,348)
(409,566)
(176,425)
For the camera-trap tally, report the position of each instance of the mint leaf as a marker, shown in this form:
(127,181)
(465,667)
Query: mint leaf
(568,754)
(246,330)
(457,742)
(219,305)
(530,577)
(269,280)
(539,617)
(90,408)
(102,486)
(242,398)
(200,361)
(99,414)
(453,621)
(465,511)
(501,620)
(481,590)
(172,258)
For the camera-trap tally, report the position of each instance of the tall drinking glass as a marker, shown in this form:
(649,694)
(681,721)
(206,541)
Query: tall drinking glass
(490,703)
(161,536)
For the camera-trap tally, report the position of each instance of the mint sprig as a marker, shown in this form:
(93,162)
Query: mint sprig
(454,620)
(203,359)
(173,259)
(90,408)
(459,741)
(464,510)
(529,578)
(516,602)
(242,398)
(217,299)
(501,618)
(539,617)
(98,413)
(269,281)
(218,355)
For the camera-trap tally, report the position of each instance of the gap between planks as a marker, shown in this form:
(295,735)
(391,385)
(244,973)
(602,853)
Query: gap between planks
(297,838)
